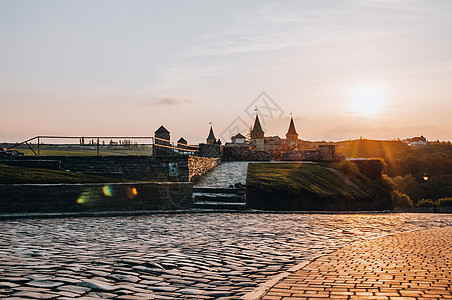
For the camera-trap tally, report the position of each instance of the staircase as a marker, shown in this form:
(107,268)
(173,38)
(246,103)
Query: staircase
(219,198)
(222,188)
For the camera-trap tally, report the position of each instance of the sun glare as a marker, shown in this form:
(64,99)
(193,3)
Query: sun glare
(366,100)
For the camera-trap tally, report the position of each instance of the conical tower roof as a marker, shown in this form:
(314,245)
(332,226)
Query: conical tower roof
(211,137)
(162,129)
(291,130)
(257,128)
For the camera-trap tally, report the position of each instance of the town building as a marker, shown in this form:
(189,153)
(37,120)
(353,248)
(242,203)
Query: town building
(238,139)
(419,141)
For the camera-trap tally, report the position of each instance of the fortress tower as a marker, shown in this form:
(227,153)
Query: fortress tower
(292,135)
(211,138)
(257,135)
(162,137)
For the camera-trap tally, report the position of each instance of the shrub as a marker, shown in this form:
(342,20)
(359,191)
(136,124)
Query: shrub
(401,200)
(445,201)
(425,203)
(348,168)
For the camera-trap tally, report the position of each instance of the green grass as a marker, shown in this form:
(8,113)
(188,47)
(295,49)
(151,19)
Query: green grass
(12,175)
(297,186)
(87,152)
(297,178)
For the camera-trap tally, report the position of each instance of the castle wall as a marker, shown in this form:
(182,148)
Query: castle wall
(257,144)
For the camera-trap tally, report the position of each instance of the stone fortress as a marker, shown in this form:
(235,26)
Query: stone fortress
(260,147)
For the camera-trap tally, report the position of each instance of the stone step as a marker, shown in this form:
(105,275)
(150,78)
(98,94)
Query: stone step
(212,190)
(219,197)
(220,205)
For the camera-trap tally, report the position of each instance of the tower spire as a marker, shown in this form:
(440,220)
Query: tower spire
(257,128)
(291,134)
(211,138)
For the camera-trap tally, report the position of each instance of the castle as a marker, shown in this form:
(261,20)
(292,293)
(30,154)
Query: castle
(283,149)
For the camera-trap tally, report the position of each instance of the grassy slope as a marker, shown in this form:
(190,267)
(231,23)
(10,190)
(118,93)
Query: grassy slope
(299,177)
(85,152)
(315,182)
(11,174)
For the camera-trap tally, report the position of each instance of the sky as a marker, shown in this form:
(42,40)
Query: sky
(377,69)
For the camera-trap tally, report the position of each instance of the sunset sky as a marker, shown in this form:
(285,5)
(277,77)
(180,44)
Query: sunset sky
(380,69)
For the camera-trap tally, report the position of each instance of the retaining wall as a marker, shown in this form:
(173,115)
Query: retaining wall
(142,168)
(198,166)
(42,198)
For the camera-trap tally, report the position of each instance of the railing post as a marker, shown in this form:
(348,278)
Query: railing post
(98,145)
(39,147)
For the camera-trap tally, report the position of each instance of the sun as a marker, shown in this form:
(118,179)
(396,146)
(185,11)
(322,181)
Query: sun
(367,99)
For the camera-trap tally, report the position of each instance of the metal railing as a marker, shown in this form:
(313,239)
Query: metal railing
(157,145)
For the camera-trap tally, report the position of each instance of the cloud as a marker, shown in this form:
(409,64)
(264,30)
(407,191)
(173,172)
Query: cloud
(171,101)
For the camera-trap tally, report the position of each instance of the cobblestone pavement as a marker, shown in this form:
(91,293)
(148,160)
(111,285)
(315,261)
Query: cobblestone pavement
(414,265)
(224,175)
(186,256)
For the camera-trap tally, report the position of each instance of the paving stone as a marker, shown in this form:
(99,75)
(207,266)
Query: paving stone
(163,288)
(190,291)
(135,297)
(230,252)
(8,284)
(355,272)
(44,283)
(218,294)
(30,289)
(74,289)
(34,295)
(97,285)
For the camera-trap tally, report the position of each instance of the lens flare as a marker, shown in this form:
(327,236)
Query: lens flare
(107,190)
(81,200)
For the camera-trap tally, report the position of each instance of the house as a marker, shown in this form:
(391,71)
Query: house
(419,141)
(238,139)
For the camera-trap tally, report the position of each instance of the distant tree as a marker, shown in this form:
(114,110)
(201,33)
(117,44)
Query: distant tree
(401,200)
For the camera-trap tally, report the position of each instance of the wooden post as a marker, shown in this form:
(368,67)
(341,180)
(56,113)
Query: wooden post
(98,150)
(39,147)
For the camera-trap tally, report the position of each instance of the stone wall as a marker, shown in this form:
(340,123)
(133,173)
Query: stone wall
(30,163)
(142,168)
(145,168)
(198,166)
(181,168)
(209,150)
(325,153)
(42,198)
